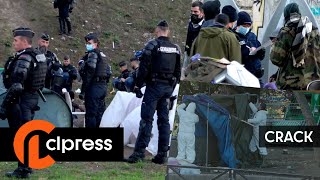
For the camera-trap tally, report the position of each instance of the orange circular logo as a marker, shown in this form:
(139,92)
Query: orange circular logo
(26,140)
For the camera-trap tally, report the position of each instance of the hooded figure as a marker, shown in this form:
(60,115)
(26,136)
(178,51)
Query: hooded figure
(259,119)
(186,138)
(296,51)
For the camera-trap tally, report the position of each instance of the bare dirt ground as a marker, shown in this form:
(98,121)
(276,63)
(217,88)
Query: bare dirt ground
(304,161)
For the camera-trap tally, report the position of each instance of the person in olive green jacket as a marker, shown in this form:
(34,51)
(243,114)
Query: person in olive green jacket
(217,41)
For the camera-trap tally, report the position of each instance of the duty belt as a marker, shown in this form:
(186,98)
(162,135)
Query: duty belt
(100,79)
(161,80)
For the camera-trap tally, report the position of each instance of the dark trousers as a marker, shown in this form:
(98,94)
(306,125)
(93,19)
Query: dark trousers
(21,113)
(62,22)
(156,97)
(95,104)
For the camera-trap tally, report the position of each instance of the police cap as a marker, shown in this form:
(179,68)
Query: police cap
(22,31)
(45,37)
(91,36)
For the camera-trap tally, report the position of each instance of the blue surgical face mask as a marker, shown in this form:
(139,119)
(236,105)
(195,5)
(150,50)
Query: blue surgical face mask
(89,47)
(243,30)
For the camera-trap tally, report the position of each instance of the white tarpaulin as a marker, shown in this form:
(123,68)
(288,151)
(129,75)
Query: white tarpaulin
(238,75)
(241,75)
(124,110)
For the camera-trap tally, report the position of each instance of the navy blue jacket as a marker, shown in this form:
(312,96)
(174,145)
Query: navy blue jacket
(251,62)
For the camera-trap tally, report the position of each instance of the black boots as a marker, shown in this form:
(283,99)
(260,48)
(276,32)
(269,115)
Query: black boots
(135,157)
(62,23)
(160,158)
(20,173)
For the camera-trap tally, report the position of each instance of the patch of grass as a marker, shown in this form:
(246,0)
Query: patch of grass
(116,39)
(139,164)
(96,170)
(107,34)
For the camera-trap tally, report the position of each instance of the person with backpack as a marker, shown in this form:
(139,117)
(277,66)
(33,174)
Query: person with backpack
(296,51)
(94,76)
(23,77)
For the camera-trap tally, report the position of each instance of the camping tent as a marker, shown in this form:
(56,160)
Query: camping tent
(124,111)
(54,110)
(227,138)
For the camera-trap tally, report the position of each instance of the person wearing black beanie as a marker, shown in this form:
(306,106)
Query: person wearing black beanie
(290,9)
(210,9)
(249,42)
(231,12)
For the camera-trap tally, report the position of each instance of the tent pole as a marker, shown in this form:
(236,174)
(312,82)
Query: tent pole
(207,149)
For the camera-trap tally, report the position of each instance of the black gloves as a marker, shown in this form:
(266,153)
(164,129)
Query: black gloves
(172,98)
(261,54)
(81,96)
(56,66)
(138,92)
(70,10)
(259,73)
(3,113)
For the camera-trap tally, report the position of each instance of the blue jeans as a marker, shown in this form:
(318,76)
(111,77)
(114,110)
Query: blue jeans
(117,84)
(129,84)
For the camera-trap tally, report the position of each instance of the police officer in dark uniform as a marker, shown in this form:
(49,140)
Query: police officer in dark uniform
(23,78)
(65,7)
(95,76)
(160,69)
(53,62)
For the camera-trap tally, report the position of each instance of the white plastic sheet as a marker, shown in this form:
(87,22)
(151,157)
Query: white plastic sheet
(124,110)
(239,75)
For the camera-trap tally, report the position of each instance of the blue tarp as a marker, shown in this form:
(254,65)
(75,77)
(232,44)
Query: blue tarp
(219,123)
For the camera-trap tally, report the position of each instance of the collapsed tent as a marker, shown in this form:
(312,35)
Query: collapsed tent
(54,110)
(216,71)
(124,111)
(227,140)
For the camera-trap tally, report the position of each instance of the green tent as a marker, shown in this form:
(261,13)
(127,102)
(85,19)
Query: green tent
(54,110)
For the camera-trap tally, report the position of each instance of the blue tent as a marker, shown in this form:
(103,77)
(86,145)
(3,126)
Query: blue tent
(219,123)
